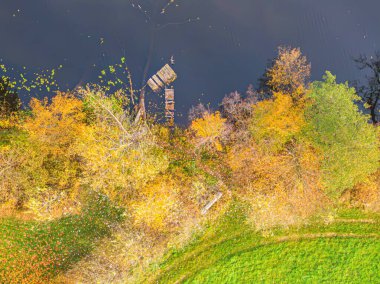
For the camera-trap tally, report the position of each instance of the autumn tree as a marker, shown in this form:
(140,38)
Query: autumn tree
(209,130)
(277,171)
(370,92)
(366,194)
(120,157)
(43,165)
(167,206)
(288,72)
(349,145)
(237,107)
(277,121)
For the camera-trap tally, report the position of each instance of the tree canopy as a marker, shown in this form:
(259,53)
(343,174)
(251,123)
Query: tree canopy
(349,144)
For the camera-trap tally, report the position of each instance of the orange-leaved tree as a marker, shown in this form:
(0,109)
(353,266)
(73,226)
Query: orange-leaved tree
(209,130)
(277,171)
(290,71)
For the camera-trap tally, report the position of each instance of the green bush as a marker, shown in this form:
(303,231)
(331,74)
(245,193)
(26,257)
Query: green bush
(348,142)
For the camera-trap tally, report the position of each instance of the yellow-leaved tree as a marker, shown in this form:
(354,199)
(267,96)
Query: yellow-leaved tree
(46,158)
(290,71)
(276,121)
(209,130)
(55,131)
(121,156)
(277,172)
(159,206)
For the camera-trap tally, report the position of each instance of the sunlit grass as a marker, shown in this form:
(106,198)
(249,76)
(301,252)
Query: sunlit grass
(332,260)
(347,249)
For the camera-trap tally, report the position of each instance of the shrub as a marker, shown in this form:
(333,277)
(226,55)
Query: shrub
(366,195)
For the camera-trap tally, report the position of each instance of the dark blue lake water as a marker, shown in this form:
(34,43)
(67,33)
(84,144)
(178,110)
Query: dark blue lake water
(219,45)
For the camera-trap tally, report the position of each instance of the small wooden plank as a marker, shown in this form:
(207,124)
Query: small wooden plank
(152,84)
(158,81)
(211,203)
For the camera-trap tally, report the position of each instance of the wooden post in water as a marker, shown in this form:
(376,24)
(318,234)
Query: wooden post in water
(169,106)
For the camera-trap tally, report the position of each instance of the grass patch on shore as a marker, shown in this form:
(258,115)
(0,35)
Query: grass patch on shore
(341,250)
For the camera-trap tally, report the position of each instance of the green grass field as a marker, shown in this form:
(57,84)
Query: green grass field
(344,251)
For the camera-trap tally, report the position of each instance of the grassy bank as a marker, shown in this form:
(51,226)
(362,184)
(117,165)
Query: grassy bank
(345,249)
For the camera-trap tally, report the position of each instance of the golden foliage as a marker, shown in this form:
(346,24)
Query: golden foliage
(42,167)
(209,130)
(121,157)
(289,72)
(276,172)
(366,194)
(71,146)
(10,179)
(165,205)
(283,209)
(264,171)
(281,188)
(58,125)
(10,121)
(275,122)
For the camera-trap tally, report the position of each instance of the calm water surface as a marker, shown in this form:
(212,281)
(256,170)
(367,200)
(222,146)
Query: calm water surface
(219,45)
